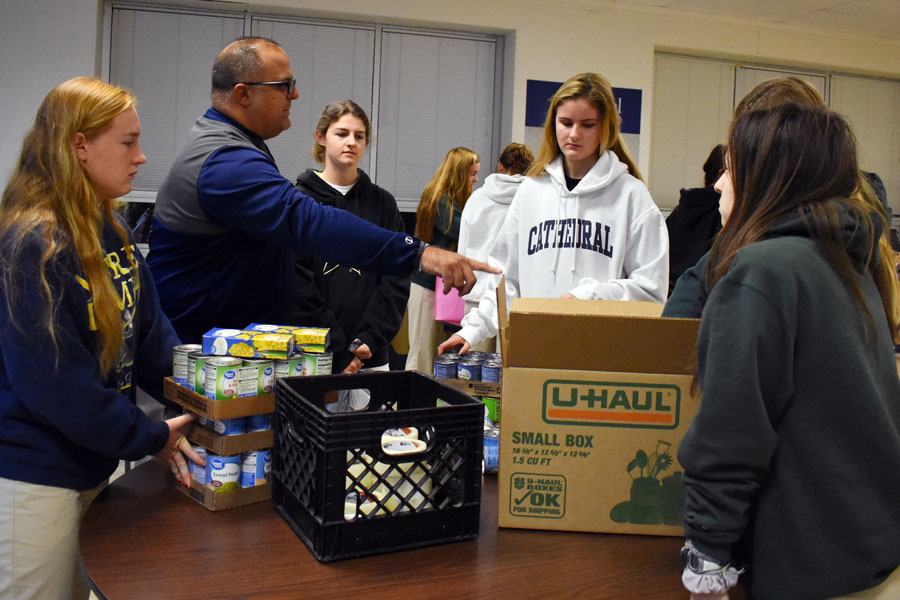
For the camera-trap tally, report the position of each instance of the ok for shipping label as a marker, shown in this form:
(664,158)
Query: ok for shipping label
(611,404)
(537,495)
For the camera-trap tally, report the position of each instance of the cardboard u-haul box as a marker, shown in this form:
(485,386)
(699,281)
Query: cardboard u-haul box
(597,397)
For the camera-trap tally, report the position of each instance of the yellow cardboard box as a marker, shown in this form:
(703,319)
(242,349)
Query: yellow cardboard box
(597,396)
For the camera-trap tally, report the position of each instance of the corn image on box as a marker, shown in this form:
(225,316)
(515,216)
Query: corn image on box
(308,339)
(247,344)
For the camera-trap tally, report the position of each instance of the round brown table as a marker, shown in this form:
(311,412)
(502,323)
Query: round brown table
(143,539)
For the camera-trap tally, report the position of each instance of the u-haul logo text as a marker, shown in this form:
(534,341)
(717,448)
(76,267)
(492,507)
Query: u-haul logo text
(611,404)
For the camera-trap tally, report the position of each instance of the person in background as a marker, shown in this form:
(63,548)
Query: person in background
(583,224)
(686,300)
(694,223)
(227,226)
(792,463)
(363,310)
(80,326)
(437,222)
(483,216)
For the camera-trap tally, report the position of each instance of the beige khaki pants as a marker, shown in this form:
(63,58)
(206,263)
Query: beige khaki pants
(889,589)
(39,541)
(425,334)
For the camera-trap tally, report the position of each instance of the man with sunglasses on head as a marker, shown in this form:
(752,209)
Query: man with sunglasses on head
(226,224)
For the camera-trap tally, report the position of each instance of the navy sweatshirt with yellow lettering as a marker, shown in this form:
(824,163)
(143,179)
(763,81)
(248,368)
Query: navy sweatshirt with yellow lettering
(63,423)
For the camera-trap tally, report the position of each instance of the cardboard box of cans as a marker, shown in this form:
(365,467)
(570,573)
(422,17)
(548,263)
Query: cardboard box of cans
(228,444)
(475,388)
(594,410)
(227,448)
(213,500)
(218,409)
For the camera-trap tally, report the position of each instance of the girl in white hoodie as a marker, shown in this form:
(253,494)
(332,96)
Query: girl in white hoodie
(483,216)
(583,224)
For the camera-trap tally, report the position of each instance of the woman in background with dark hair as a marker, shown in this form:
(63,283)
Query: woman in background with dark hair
(686,300)
(792,464)
(483,216)
(694,223)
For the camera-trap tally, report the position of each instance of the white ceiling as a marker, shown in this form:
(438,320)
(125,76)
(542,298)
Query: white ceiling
(876,18)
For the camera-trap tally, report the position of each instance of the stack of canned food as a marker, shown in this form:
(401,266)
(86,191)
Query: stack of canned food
(229,473)
(224,377)
(491,433)
(472,366)
(237,425)
(478,366)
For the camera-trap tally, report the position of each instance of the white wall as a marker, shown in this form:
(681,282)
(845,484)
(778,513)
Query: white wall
(43,42)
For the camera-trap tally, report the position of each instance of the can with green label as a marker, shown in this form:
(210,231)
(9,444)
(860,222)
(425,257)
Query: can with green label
(317,363)
(289,367)
(197,370)
(222,376)
(180,361)
(492,408)
(265,374)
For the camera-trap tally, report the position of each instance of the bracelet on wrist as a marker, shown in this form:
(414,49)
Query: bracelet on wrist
(422,248)
(704,574)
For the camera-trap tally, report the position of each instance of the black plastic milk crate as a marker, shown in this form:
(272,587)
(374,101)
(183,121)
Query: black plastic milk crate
(344,496)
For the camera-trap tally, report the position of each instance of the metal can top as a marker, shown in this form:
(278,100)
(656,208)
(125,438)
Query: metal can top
(224,361)
(187,348)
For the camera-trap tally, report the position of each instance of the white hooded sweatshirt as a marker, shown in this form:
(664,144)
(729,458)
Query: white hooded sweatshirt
(603,240)
(482,218)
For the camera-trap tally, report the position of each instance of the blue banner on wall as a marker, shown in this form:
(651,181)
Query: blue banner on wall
(537,101)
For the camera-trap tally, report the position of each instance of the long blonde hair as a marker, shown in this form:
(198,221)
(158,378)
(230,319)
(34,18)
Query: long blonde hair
(49,197)
(451,182)
(595,89)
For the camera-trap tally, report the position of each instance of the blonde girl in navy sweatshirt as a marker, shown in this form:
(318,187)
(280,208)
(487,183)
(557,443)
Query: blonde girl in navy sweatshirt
(80,324)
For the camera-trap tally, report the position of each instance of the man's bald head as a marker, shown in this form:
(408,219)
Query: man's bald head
(239,61)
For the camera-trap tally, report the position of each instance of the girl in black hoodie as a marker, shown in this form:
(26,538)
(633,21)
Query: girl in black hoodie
(363,310)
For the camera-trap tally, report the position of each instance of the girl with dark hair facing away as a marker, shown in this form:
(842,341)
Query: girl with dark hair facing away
(80,326)
(582,225)
(792,463)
